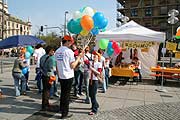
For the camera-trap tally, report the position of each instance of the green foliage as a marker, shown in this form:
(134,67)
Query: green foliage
(51,39)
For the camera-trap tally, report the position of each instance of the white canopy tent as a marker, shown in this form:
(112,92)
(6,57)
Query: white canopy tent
(132,31)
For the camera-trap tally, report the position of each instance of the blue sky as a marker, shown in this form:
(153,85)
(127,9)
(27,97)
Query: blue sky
(51,12)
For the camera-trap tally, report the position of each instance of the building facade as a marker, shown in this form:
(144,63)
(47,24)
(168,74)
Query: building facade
(10,25)
(149,13)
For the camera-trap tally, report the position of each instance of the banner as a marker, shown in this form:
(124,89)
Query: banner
(171,46)
(177,55)
(142,44)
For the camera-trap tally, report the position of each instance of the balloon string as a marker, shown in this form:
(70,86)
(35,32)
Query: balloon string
(89,40)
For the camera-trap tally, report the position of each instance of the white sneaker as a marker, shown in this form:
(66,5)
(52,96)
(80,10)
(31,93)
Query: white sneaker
(78,96)
(82,94)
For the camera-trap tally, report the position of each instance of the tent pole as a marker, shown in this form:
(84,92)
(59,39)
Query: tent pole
(161,88)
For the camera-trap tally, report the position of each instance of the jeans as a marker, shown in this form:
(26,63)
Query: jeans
(104,82)
(66,85)
(78,82)
(107,76)
(39,78)
(92,93)
(53,89)
(86,82)
(17,77)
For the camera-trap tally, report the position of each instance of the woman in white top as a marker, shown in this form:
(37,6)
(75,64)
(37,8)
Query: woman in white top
(96,69)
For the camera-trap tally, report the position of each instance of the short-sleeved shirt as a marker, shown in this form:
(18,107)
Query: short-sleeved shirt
(97,65)
(38,53)
(64,57)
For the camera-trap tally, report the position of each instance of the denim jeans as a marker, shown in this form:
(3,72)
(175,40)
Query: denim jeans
(19,78)
(92,93)
(39,78)
(53,88)
(104,82)
(86,82)
(107,77)
(78,82)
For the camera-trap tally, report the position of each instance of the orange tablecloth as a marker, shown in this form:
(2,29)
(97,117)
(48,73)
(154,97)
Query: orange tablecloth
(166,70)
(123,72)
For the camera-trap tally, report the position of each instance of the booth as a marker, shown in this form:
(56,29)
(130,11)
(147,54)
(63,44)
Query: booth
(132,35)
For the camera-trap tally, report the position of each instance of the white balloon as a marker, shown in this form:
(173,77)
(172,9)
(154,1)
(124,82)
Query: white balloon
(88,11)
(77,14)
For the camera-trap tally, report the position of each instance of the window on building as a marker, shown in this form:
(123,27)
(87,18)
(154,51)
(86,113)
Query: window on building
(134,12)
(148,24)
(163,26)
(148,11)
(13,25)
(178,7)
(17,26)
(13,32)
(9,23)
(163,11)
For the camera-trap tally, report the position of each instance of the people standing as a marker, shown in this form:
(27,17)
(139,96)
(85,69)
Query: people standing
(65,69)
(46,66)
(87,59)
(137,64)
(17,75)
(107,62)
(38,53)
(102,61)
(53,90)
(96,69)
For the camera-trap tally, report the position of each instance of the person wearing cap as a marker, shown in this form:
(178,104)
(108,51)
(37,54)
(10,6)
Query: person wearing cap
(96,69)
(66,63)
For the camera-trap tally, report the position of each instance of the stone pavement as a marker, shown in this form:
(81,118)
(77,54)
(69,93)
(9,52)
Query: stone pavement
(127,102)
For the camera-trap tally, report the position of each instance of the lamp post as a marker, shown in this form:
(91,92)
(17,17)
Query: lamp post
(46,29)
(172,20)
(2,27)
(65,22)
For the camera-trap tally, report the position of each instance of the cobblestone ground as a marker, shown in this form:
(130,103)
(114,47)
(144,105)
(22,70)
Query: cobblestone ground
(168,111)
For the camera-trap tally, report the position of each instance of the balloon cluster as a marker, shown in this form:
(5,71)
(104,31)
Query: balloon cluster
(85,21)
(110,46)
(29,51)
(178,33)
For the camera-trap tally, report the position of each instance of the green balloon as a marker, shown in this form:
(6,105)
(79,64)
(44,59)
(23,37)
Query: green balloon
(177,37)
(103,43)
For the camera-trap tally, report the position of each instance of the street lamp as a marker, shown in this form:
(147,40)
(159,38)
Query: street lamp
(46,29)
(2,27)
(65,22)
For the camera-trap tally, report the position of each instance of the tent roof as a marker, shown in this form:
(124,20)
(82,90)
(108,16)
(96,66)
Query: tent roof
(133,32)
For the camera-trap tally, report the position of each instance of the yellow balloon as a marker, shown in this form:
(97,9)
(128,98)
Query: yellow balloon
(84,32)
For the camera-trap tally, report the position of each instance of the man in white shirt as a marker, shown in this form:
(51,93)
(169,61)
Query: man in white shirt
(65,70)
(38,53)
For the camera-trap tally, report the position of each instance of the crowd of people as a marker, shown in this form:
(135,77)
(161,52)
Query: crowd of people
(73,66)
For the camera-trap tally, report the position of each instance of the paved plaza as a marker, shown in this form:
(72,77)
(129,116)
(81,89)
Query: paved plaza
(120,102)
